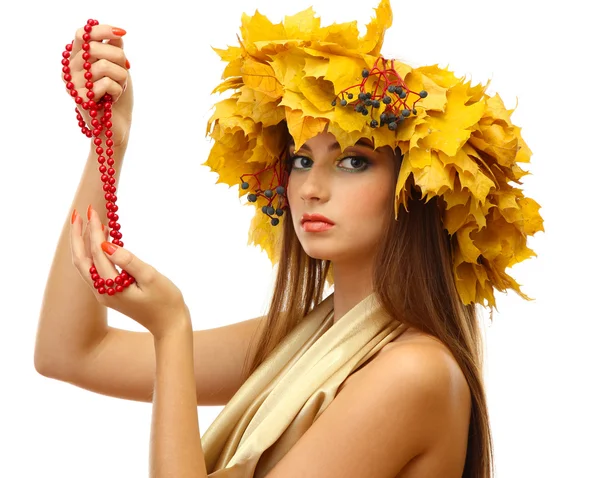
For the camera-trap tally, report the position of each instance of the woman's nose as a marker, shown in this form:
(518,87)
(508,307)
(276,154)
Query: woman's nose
(314,187)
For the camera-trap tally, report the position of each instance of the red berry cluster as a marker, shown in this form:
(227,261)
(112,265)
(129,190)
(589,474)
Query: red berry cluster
(390,95)
(275,190)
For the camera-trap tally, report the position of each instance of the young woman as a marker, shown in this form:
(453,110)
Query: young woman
(394,184)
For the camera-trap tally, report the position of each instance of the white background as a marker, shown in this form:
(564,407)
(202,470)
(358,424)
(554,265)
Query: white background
(542,356)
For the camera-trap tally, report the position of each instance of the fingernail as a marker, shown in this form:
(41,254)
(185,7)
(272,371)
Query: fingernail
(108,247)
(118,31)
(102,227)
(73,216)
(89,212)
(127,64)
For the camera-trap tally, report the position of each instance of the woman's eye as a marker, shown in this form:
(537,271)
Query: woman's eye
(354,163)
(300,162)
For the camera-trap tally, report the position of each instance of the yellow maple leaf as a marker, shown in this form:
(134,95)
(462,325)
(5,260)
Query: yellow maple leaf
(301,127)
(318,91)
(315,67)
(302,24)
(373,39)
(261,77)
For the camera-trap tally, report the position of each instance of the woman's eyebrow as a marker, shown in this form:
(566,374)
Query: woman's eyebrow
(336,146)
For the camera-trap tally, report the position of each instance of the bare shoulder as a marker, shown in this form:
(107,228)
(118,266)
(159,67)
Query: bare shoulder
(405,414)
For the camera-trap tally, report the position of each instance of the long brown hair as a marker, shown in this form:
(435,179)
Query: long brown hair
(413,281)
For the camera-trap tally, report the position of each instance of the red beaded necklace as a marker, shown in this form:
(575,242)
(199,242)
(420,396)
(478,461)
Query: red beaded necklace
(123,280)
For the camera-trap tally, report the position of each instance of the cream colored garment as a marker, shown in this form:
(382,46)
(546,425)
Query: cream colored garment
(293,386)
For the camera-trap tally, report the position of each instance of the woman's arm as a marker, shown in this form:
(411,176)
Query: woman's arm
(175,445)
(71,321)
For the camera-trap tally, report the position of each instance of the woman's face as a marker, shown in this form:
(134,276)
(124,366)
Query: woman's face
(353,190)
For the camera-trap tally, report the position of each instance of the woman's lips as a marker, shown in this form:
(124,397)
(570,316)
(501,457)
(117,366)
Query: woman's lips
(315,223)
(316,226)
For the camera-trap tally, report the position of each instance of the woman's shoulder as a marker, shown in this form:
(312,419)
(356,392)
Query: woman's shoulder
(421,373)
(415,353)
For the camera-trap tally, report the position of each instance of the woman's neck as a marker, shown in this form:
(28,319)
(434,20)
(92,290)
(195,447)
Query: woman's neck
(353,282)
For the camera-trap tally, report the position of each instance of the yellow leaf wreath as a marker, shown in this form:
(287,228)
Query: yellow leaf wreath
(459,146)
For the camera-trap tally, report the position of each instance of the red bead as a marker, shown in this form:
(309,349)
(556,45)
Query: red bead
(87,75)
(98,142)
(95,277)
(99,150)
(66,69)
(110,291)
(86,47)
(68,77)
(102,169)
(81,124)
(111,171)
(93,270)
(73,93)
(109,151)
(101,290)
(109,143)
(65,62)
(87,37)
(66,54)
(109,134)
(90,94)
(88,28)
(79,100)
(86,55)
(126,283)
(110,282)
(119,288)
(101,282)
(119,280)
(69,47)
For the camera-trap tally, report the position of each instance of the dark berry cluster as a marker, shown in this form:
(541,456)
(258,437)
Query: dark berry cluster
(388,103)
(270,195)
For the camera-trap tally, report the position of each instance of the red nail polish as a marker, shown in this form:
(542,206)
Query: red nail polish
(118,31)
(127,64)
(102,227)
(89,212)
(73,216)
(108,247)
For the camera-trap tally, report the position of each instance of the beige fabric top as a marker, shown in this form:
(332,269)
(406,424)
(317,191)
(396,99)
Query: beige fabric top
(293,386)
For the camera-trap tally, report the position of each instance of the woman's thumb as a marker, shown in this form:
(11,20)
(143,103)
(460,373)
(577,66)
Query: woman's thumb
(125,259)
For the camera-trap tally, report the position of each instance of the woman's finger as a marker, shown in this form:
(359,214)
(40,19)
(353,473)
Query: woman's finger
(143,273)
(104,266)
(98,33)
(86,240)
(81,260)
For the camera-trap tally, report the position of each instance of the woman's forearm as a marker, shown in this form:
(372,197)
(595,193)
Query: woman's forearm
(175,445)
(71,319)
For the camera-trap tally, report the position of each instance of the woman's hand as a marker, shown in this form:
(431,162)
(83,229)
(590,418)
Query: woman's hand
(152,300)
(110,74)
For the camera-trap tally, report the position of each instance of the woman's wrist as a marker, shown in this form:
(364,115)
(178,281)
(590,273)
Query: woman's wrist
(180,325)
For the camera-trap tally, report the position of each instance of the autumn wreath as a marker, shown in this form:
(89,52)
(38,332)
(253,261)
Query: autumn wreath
(459,143)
